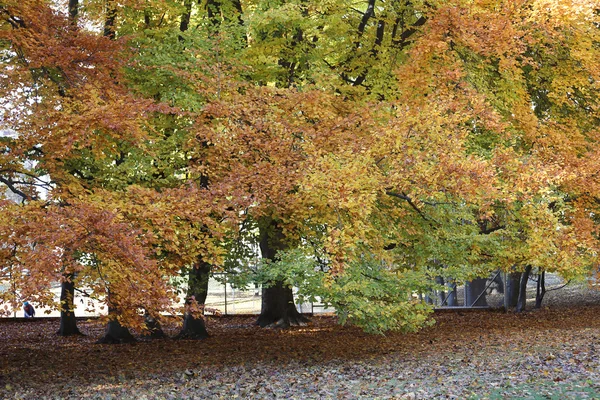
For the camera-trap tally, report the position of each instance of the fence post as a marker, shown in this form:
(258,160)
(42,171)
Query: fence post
(14,289)
(506,300)
(225,289)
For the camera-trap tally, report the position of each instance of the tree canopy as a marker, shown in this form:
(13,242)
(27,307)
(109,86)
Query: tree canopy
(390,142)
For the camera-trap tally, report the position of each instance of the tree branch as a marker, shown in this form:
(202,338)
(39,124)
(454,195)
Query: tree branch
(409,201)
(404,41)
(559,287)
(11,186)
(490,230)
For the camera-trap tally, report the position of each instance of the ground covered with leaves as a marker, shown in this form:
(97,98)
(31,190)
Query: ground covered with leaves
(548,353)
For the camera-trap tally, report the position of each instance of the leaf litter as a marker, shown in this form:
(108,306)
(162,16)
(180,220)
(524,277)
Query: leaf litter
(548,353)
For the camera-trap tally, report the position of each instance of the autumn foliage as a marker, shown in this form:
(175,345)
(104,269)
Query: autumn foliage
(389,144)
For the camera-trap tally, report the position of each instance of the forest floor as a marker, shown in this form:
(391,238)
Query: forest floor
(540,354)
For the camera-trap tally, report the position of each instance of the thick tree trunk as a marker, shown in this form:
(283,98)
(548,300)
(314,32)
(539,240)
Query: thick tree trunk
(540,290)
(194,326)
(452,300)
(110,18)
(68,323)
(441,294)
(522,299)
(511,292)
(154,330)
(73,11)
(115,332)
(277,308)
(475,293)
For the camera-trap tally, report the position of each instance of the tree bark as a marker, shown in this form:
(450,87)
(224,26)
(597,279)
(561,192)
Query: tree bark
(499,284)
(475,293)
(68,323)
(441,294)
(185,16)
(277,308)
(73,11)
(511,294)
(109,19)
(154,329)
(452,300)
(540,290)
(219,11)
(427,298)
(522,299)
(115,332)
(194,326)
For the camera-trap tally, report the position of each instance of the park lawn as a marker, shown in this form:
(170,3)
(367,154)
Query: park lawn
(548,353)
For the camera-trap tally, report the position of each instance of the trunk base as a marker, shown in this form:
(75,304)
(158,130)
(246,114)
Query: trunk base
(540,290)
(522,300)
(116,334)
(68,326)
(109,339)
(69,332)
(278,309)
(266,321)
(68,323)
(193,328)
(154,330)
(511,294)
(475,293)
(153,335)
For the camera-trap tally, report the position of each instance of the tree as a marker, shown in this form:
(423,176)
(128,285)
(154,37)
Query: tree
(388,144)
(278,308)
(68,323)
(77,106)
(448,156)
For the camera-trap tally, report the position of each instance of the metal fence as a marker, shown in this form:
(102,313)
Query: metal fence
(223,298)
(228,300)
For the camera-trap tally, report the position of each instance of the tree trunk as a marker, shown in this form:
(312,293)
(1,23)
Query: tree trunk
(109,19)
(154,330)
(428,299)
(540,290)
(277,308)
(73,11)
(522,299)
(452,300)
(185,16)
(68,323)
(115,332)
(441,294)
(475,293)
(511,292)
(194,326)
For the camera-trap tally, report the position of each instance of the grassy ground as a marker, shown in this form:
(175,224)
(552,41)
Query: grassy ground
(549,353)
